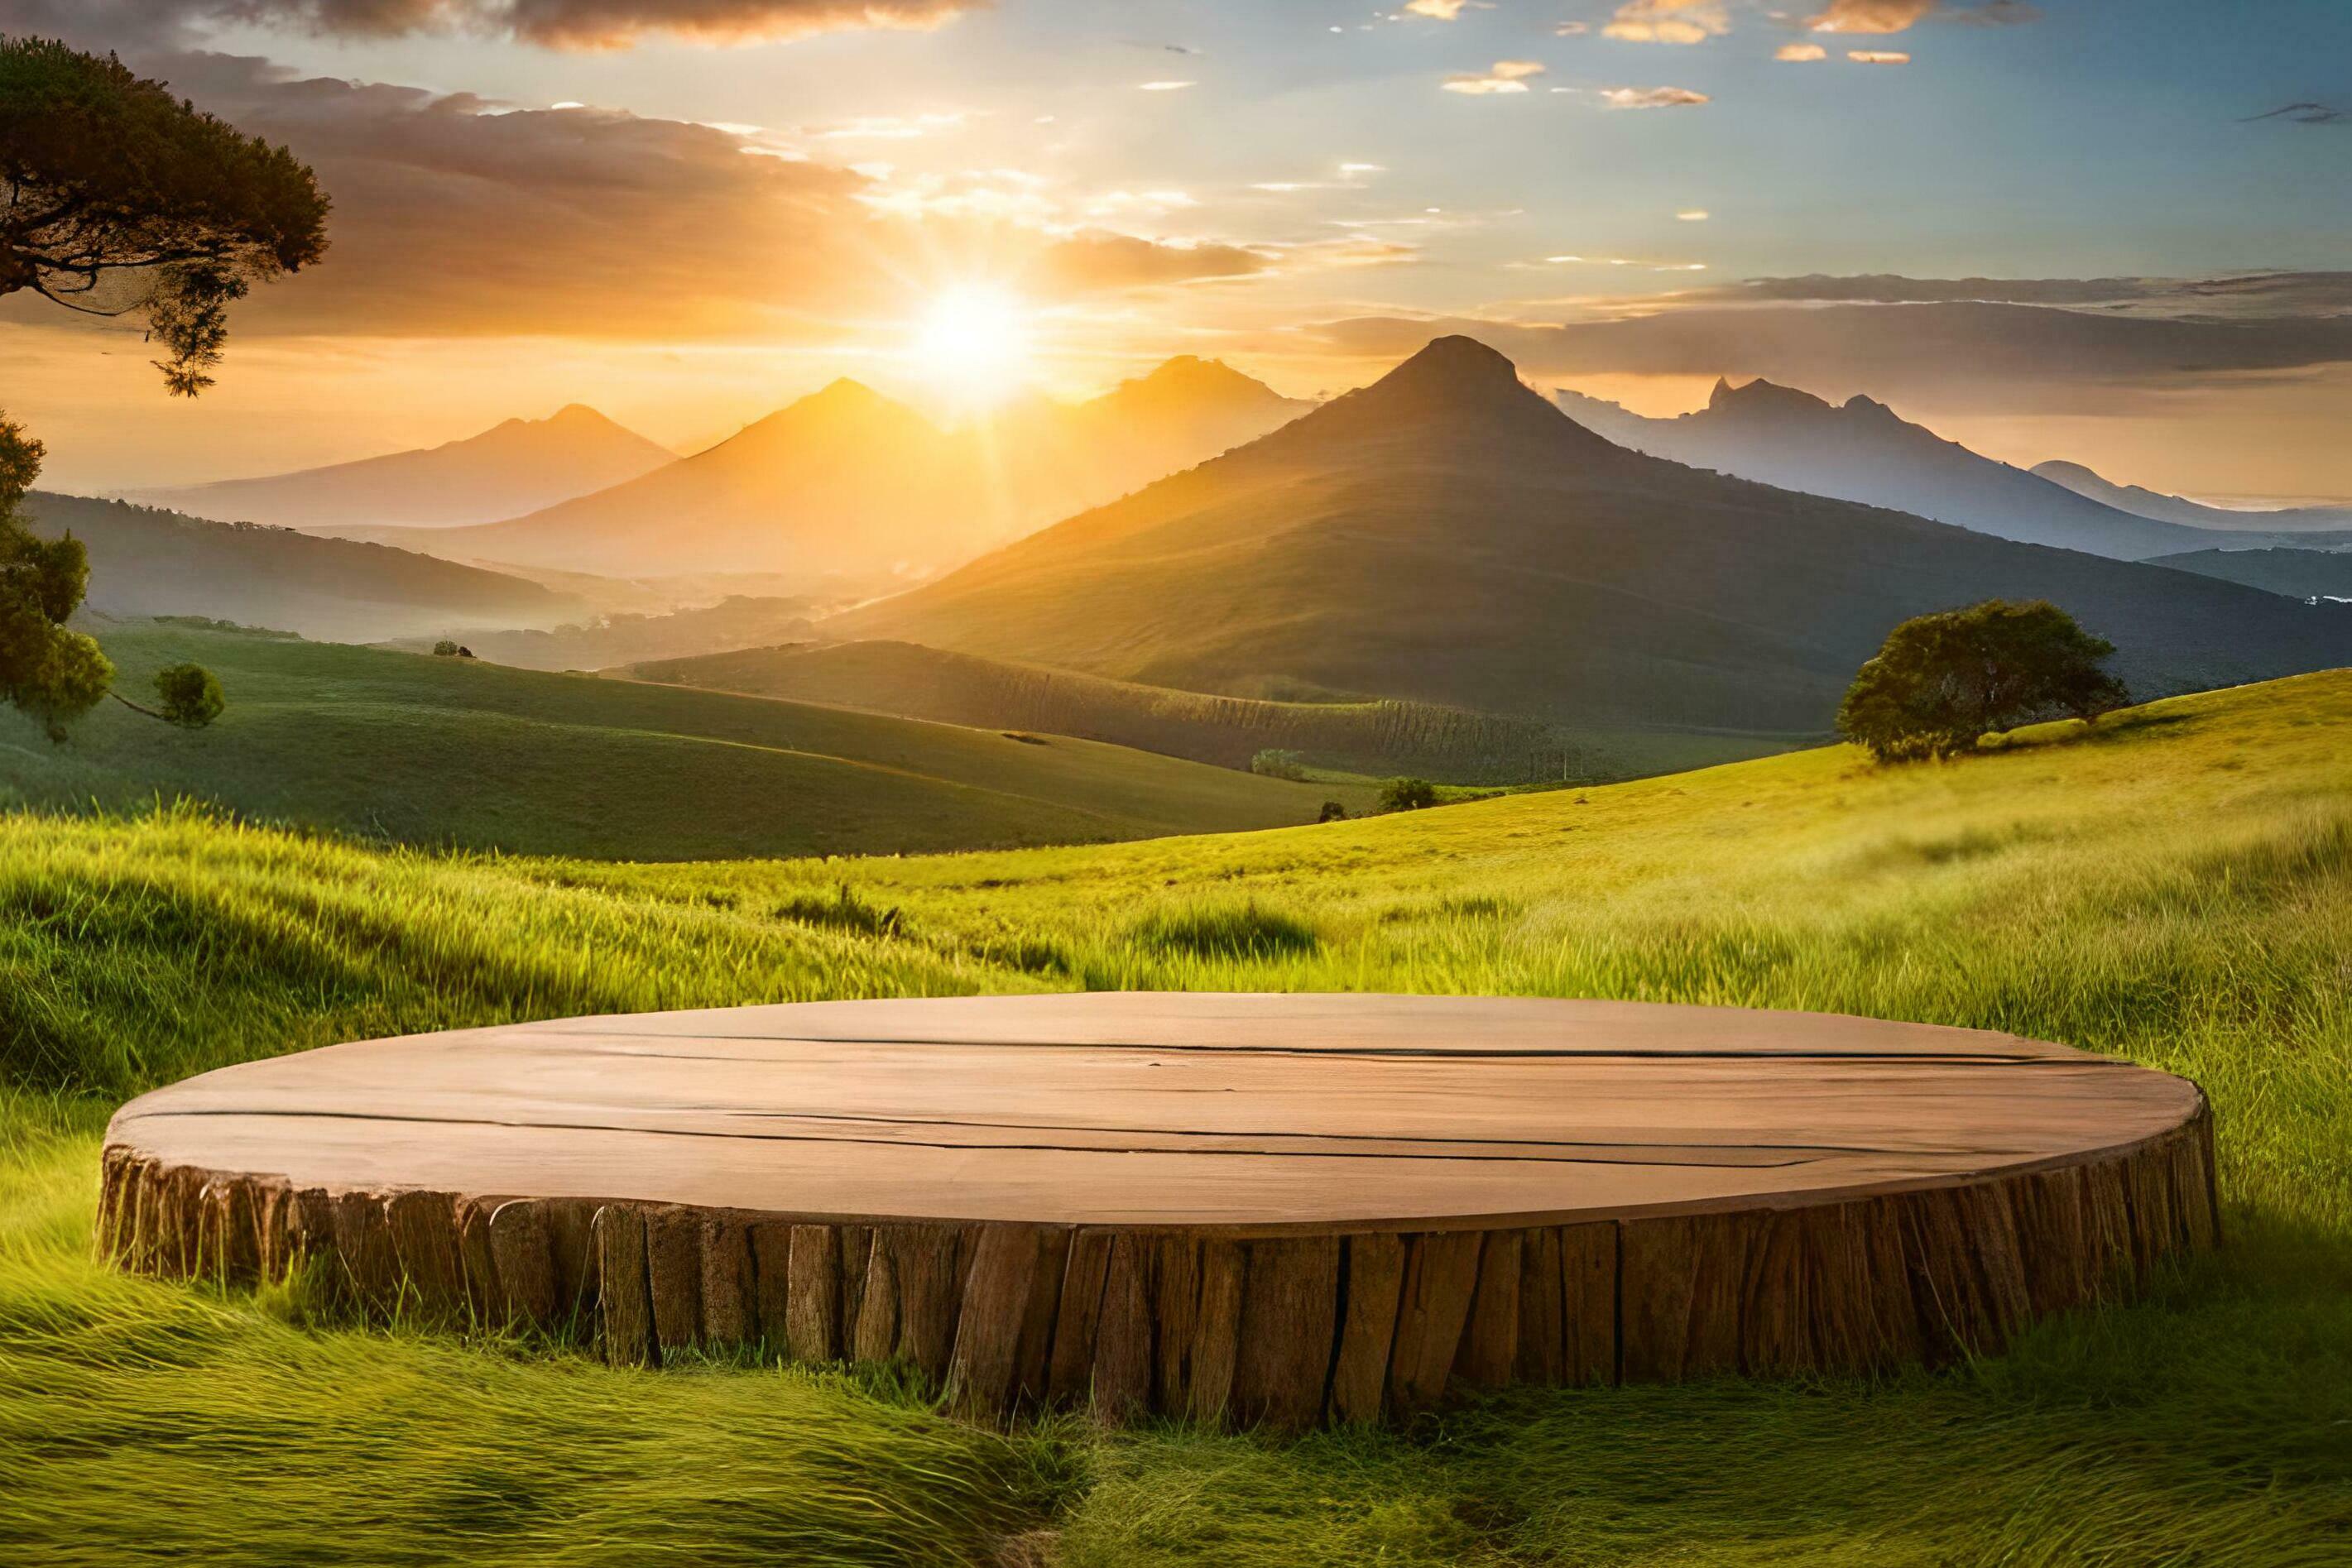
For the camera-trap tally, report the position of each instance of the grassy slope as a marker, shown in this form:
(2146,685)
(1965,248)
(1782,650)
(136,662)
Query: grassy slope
(440,752)
(2177,889)
(1370,737)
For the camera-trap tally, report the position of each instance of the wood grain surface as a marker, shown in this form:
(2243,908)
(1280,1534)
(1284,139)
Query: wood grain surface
(1265,1208)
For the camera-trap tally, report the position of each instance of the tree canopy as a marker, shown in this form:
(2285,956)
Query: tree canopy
(51,671)
(1941,681)
(118,199)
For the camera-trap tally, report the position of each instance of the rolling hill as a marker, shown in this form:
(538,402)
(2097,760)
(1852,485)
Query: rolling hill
(2166,509)
(143,561)
(739,620)
(1863,451)
(847,483)
(1448,536)
(2298,574)
(1384,737)
(519,465)
(416,750)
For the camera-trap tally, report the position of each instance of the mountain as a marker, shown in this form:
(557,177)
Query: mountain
(517,466)
(145,561)
(1863,451)
(2177,509)
(2298,574)
(1448,536)
(849,484)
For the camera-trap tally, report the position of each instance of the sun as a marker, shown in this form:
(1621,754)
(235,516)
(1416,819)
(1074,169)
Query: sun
(976,339)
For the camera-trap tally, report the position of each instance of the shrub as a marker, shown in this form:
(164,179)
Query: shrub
(190,695)
(1332,813)
(844,911)
(1941,681)
(1407,795)
(1275,762)
(1227,931)
(445,649)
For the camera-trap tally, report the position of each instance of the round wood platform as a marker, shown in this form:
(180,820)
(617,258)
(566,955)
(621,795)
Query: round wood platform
(1271,1208)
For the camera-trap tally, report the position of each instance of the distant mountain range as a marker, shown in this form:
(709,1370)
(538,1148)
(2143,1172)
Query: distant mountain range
(848,483)
(2193,514)
(146,561)
(1449,536)
(517,466)
(1863,451)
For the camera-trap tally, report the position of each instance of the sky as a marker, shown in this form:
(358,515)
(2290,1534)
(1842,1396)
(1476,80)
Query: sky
(2115,231)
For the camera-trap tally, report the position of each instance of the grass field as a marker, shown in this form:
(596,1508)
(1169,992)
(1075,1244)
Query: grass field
(2176,888)
(460,753)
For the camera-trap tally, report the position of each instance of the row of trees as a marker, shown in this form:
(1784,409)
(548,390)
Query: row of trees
(118,199)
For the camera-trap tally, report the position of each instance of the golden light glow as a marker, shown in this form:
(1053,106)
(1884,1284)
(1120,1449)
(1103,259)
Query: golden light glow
(976,340)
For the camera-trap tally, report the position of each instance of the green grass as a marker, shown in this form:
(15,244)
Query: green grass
(1339,738)
(2176,888)
(412,749)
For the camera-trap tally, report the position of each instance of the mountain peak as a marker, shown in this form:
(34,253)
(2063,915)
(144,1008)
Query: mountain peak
(1453,374)
(1763,397)
(1188,378)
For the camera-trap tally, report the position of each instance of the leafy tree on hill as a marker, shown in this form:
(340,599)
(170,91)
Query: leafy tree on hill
(190,695)
(1278,762)
(1407,795)
(1942,681)
(118,199)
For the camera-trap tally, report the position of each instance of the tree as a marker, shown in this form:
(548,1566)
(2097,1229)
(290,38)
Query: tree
(1407,795)
(118,199)
(1333,812)
(1274,762)
(50,672)
(1941,681)
(445,649)
(190,695)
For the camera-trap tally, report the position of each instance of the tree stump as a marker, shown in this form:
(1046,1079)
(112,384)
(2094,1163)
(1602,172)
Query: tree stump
(1264,1210)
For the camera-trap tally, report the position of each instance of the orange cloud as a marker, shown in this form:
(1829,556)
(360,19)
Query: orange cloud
(1668,21)
(551,24)
(1506,76)
(1652,96)
(1878,57)
(1871,15)
(1800,52)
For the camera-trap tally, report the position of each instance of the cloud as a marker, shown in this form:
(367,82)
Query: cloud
(457,217)
(1668,21)
(1506,76)
(1439,10)
(1572,29)
(2239,294)
(2004,357)
(551,24)
(1166,86)
(1693,215)
(1099,259)
(2302,114)
(1800,52)
(1878,57)
(1870,15)
(1652,96)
